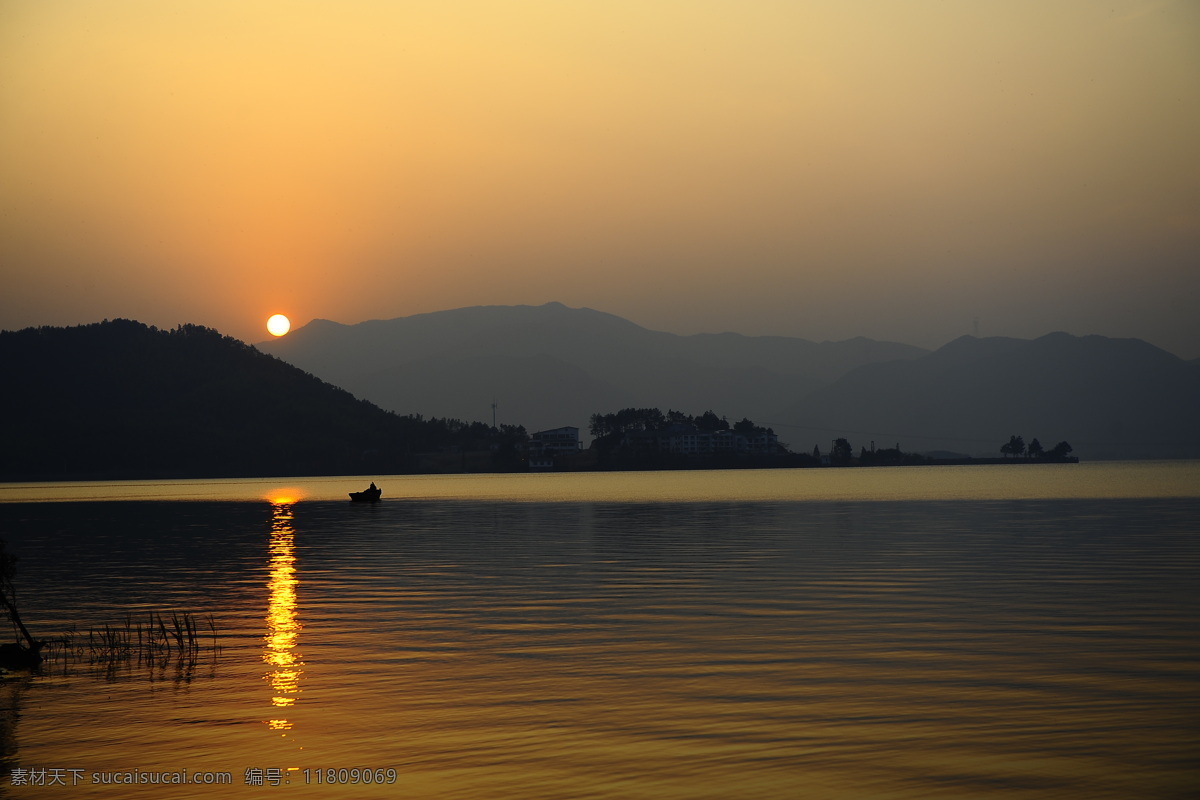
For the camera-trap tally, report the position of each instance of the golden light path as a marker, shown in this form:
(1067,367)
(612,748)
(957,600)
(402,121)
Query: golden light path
(283,628)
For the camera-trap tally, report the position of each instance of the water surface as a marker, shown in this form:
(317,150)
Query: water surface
(777,634)
(1018,481)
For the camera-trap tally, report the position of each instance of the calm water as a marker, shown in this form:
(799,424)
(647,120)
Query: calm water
(891,633)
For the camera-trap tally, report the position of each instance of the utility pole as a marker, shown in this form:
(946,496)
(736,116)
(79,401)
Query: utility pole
(494,412)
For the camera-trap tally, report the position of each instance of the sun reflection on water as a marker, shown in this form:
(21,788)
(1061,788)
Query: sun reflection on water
(283,627)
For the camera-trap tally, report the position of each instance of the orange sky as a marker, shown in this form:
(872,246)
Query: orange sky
(889,169)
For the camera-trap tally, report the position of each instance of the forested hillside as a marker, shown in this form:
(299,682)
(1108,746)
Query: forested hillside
(123,399)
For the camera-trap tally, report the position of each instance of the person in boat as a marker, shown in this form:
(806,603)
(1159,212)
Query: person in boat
(371,494)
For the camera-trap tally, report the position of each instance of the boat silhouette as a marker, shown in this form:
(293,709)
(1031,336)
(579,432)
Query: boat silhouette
(369,495)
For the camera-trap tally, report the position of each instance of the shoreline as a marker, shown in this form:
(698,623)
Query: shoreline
(787,462)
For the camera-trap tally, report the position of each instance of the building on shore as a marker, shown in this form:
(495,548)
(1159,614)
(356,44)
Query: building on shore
(554,449)
(688,440)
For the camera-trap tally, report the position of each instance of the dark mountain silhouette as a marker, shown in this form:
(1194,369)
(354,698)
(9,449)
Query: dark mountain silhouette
(1110,398)
(122,399)
(551,365)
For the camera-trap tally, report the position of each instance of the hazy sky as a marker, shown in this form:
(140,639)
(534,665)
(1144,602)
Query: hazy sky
(890,169)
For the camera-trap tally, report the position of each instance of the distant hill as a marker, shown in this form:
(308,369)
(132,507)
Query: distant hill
(550,365)
(122,399)
(1110,398)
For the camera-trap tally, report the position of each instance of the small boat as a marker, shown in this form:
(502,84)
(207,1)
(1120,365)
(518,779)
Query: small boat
(368,495)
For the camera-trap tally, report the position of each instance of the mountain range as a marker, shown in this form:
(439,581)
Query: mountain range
(548,366)
(1110,398)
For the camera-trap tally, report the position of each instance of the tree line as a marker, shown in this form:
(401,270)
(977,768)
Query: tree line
(1015,447)
(609,429)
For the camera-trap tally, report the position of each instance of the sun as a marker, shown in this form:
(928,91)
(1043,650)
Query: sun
(278,325)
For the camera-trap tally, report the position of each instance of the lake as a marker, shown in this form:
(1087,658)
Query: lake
(973,632)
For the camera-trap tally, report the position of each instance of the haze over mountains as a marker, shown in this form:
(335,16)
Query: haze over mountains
(548,366)
(1110,398)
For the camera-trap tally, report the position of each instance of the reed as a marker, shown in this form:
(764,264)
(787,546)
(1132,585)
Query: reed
(181,634)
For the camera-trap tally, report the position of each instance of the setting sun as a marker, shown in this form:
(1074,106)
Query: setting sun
(278,325)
